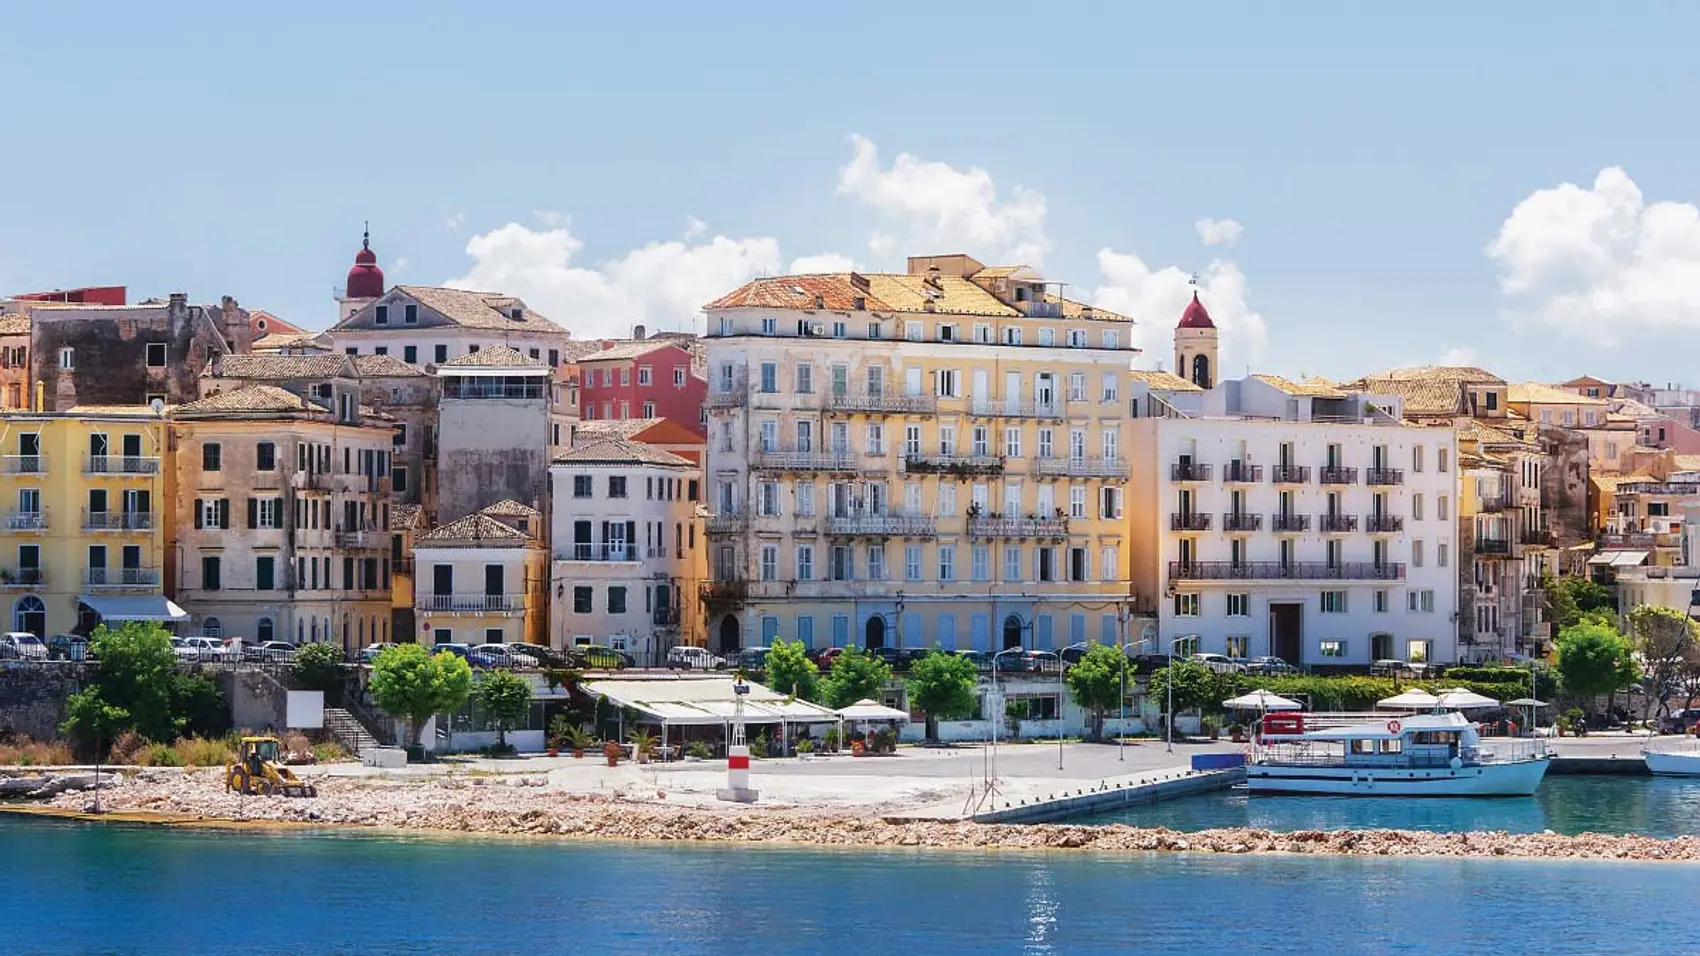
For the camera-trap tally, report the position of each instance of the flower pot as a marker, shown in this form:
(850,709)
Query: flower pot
(578,754)
(553,752)
(858,748)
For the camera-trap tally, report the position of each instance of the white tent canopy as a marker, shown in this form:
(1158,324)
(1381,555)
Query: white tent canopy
(1460,699)
(1261,700)
(867,710)
(1410,700)
(706,701)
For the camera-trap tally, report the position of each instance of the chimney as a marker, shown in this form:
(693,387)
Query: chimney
(237,331)
(179,299)
(637,331)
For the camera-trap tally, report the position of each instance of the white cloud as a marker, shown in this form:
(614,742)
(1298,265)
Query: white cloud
(938,208)
(1218,232)
(453,219)
(694,227)
(549,217)
(824,262)
(1597,263)
(1458,355)
(1156,298)
(662,285)
(399,265)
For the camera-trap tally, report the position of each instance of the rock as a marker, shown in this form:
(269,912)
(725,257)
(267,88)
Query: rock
(10,786)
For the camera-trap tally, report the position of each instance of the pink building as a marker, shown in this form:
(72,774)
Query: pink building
(643,378)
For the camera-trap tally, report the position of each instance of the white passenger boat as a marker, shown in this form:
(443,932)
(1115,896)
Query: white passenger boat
(1424,755)
(1673,759)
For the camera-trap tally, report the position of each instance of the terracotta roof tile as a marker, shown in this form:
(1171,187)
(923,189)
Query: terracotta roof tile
(96,411)
(630,349)
(509,508)
(888,292)
(278,367)
(618,451)
(496,356)
(602,429)
(478,310)
(1163,381)
(385,366)
(14,324)
(1538,394)
(249,398)
(1420,397)
(1308,389)
(1451,374)
(473,529)
(405,517)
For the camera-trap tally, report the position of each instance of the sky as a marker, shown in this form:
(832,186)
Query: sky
(1354,186)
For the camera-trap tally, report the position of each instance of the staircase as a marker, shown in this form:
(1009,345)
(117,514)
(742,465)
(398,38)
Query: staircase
(349,731)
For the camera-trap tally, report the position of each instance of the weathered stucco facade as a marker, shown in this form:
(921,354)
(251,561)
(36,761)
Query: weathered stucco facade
(130,355)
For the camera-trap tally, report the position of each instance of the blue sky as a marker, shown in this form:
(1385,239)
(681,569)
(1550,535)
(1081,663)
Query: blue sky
(1371,156)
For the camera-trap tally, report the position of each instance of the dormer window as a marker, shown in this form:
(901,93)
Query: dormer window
(410,313)
(517,314)
(381,314)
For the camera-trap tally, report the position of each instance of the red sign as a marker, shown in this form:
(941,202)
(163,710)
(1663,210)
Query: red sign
(738,763)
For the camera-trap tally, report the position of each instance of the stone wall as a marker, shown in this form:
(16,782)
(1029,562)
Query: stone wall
(258,701)
(32,697)
(110,346)
(1564,485)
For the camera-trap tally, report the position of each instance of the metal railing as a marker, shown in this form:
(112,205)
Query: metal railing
(1384,476)
(1493,546)
(1384,524)
(1285,571)
(1492,504)
(26,521)
(728,523)
(909,526)
(1189,521)
(888,403)
(117,520)
(122,577)
(1289,474)
(1242,521)
(954,464)
(1084,467)
(22,577)
(1239,471)
(1535,537)
(23,464)
(994,526)
(725,592)
(120,465)
(1337,476)
(1289,523)
(1337,523)
(464,388)
(621,551)
(1012,408)
(361,538)
(1189,471)
(803,461)
(471,603)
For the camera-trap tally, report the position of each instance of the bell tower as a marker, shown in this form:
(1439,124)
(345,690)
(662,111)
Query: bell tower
(1195,346)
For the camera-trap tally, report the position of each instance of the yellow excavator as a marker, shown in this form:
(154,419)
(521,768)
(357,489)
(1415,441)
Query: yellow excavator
(257,770)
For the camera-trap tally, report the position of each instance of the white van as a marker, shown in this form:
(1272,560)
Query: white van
(693,658)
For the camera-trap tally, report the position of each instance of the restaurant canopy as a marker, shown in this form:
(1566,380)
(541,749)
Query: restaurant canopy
(869,710)
(1460,699)
(118,607)
(680,701)
(1619,559)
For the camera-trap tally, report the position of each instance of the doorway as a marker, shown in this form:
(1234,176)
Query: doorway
(730,635)
(874,633)
(1286,632)
(1011,632)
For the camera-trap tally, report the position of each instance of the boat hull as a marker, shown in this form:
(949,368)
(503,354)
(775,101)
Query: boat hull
(1517,779)
(1685,764)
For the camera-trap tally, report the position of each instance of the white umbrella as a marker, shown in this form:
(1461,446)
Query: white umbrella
(1526,702)
(866,710)
(1261,700)
(1460,699)
(1410,700)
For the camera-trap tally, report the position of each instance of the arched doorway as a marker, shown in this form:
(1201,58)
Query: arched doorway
(212,628)
(265,631)
(874,633)
(1011,632)
(731,636)
(30,614)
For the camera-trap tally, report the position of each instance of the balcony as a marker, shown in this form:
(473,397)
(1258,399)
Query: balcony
(1337,523)
(1384,476)
(1239,471)
(959,465)
(23,464)
(1493,546)
(361,539)
(122,577)
(471,603)
(617,551)
(725,593)
(22,577)
(994,526)
(1492,504)
(991,408)
(1337,476)
(1290,474)
(788,460)
(120,465)
(1535,537)
(1640,539)
(26,521)
(880,403)
(1189,471)
(1085,467)
(882,526)
(665,618)
(1384,524)
(118,520)
(1289,524)
(730,393)
(1193,521)
(1284,571)
(1243,521)
(730,523)
(514,387)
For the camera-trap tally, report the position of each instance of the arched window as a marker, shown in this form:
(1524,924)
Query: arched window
(1011,632)
(315,623)
(1201,371)
(300,630)
(30,614)
(212,628)
(264,630)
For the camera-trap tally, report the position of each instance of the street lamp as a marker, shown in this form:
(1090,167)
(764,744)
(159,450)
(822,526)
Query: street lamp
(998,718)
(1169,687)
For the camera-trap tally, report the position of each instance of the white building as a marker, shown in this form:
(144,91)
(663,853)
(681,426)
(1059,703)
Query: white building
(1297,520)
(627,550)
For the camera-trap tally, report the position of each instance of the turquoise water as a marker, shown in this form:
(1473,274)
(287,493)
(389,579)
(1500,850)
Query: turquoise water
(1650,806)
(85,888)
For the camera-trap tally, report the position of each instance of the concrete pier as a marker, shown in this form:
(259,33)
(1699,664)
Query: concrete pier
(1111,794)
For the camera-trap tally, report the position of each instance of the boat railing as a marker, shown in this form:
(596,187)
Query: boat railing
(1673,745)
(1511,751)
(1336,720)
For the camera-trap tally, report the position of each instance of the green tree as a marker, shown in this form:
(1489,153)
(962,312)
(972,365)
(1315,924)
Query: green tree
(1562,611)
(410,682)
(790,671)
(137,664)
(1195,687)
(942,686)
(318,666)
(1585,596)
(1594,659)
(505,698)
(200,706)
(855,674)
(93,723)
(1096,682)
(1666,640)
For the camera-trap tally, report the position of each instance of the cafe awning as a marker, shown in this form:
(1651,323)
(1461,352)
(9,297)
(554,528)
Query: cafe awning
(706,701)
(1619,559)
(145,607)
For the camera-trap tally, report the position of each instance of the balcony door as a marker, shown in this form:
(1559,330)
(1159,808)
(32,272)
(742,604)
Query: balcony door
(1045,389)
(137,501)
(132,445)
(493,589)
(1011,391)
(99,448)
(981,389)
(442,579)
(97,501)
(583,546)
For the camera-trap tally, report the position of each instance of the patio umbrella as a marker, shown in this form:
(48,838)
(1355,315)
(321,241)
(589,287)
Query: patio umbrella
(1526,702)
(1460,699)
(1261,700)
(1410,700)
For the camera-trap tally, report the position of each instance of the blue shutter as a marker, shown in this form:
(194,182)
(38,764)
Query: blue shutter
(1044,641)
(947,631)
(840,630)
(806,631)
(1077,628)
(769,631)
(980,632)
(1107,633)
(912,631)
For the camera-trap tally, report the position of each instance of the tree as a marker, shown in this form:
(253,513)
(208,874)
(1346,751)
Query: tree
(137,664)
(505,698)
(855,674)
(410,682)
(942,686)
(1666,639)
(1594,659)
(1195,686)
(1572,599)
(790,671)
(92,722)
(1096,682)
(318,666)
(1562,611)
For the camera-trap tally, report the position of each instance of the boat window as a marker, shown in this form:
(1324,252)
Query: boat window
(1363,746)
(1393,746)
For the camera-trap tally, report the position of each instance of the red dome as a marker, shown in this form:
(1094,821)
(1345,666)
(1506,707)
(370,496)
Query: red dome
(365,279)
(1195,317)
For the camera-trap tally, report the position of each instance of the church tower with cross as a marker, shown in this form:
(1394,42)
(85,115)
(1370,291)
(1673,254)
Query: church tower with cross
(1196,346)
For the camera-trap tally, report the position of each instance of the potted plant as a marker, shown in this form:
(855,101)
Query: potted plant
(806,745)
(829,740)
(1236,730)
(643,744)
(577,738)
(858,748)
(612,751)
(697,750)
(1213,728)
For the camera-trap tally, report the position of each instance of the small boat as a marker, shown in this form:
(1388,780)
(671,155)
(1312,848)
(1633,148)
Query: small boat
(1673,761)
(1421,755)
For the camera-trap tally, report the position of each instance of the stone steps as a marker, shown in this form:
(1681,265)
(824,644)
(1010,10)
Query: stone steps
(349,731)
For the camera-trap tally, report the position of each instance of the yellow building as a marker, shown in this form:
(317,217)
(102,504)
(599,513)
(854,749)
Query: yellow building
(85,529)
(933,457)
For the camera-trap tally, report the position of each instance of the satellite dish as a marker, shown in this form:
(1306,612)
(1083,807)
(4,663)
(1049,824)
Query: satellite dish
(158,405)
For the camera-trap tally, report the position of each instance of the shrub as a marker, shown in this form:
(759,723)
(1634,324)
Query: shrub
(699,750)
(24,752)
(830,739)
(156,754)
(204,752)
(758,745)
(330,751)
(318,666)
(126,747)
(806,745)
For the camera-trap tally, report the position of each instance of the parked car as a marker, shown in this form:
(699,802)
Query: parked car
(201,648)
(271,651)
(824,657)
(693,658)
(751,659)
(370,652)
(1028,661)
(452,647)
(599,657)
(1391,668)
(67,647)
(1269,666)
(1220,663)
(982,660)
(544,656)
(24,646)
(497,654)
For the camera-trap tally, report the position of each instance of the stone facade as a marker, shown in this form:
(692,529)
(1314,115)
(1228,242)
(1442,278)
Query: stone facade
(130,355)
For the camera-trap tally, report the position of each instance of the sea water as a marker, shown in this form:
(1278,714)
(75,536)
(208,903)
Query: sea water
(100,888)
(1648,806)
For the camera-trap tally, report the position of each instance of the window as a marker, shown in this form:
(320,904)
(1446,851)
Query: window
(1109,563)
(68,359)
(769,325)
(1012,562)
(1440,460)
(1239,605)
(1110,503)
(805,562)
(912,562)
(266,513)
(949,383)
(440,353)
(265,573)
(1381,601)
(381,350)
(1490,400)
(767,499)
(982,562)
(1334,602)
(770,562)
(1416,554)
(1112,387)
(210,566)
(616,486)
(1047,337)
(1332,648)
(947,562)
(213,513)
(265,456)
(582,601)
(1417,651)
(156,355)
(582,486)
(805,379)
(1077,386)
(616,600)
(1186,605)
(1077,501)
(1420,600)
(1440,554)
(1012,442)
(1076,338)
(1416,507)
(212,456)
(770,378)
(381,314)
(1012,335)
(1111,339)
(410,354)
(876,438)
(625,376)
(1237,645)
(806,500)
(410,314)
(649,409)
(352,350)
(645,374)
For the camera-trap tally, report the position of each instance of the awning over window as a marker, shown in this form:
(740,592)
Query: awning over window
(149,607)
(1619,559)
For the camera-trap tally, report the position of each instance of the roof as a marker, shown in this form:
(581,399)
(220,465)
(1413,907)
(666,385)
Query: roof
(277,342)
(384,366)
(509,508)
(1161,381)
(618,349)
(278,367)
(1586,381)
(1195,316)
(1311,389)
(96,411)
(476,310)
(618,451)
(1537,394)
(601,429)
(1417,397)
(14,324)
(1452,374)
(249,398)
(405,517)
(706,701)
(1480,431)
(496,356)
(472,529)
(885,292)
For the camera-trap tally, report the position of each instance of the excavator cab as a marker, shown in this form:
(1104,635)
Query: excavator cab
(257,770)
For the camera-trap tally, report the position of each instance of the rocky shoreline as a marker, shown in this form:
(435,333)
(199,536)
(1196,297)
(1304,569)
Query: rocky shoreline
(521,805)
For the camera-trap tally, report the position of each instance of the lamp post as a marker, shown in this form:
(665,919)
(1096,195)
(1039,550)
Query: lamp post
(998,718)
(1121,736)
